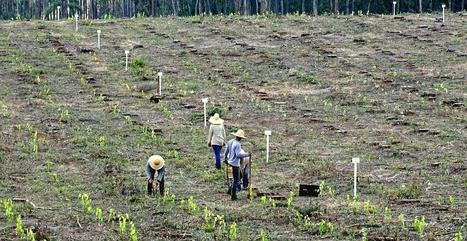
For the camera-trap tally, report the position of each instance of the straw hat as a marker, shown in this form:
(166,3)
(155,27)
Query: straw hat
(156,162)
(240,133)
(216,120)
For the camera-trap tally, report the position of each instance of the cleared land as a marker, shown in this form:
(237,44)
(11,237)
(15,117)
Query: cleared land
(391,91)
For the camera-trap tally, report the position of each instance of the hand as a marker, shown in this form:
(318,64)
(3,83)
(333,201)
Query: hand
(150,181)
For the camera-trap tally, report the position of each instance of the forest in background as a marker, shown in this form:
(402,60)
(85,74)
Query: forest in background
(99,9)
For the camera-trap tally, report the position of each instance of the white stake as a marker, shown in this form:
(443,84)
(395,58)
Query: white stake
(267,133)
(159,81)
(443,6)
(58,15)
(355,161)
(99,39)
(205,101)
(76,22)
(126,59)
(394,8)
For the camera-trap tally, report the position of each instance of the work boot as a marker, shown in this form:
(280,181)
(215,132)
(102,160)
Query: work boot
(234,198)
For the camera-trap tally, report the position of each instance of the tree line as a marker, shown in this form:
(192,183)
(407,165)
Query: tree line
(94,9)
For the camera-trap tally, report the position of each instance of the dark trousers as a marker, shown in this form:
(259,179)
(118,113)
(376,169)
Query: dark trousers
(151,185)
(235,182)
(217,153)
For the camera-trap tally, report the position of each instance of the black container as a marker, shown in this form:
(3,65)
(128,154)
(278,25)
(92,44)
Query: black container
(308,190)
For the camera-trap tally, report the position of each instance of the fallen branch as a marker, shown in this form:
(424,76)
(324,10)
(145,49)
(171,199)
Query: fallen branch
(24,200)
(77,221)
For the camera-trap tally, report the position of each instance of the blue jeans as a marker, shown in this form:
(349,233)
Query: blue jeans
(217,153)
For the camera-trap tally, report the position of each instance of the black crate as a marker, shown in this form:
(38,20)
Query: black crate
(308,190)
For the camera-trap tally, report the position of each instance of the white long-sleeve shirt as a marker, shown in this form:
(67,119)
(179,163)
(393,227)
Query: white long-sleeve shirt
(216,135)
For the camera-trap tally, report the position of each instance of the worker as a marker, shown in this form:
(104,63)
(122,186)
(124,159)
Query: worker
(232,156)
(155,164)
(216,137)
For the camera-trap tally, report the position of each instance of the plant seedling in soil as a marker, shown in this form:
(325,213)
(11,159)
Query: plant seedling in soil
(451,201)
(233,231)
(290,199)
(110,215)
(263,236)
(133,233)
(458,237)
(8,209)
(85,202)
(401,219)
(99,216)
(321,188)
(420,225)
(331,193)
(387,214)
(19,226)
(122,221)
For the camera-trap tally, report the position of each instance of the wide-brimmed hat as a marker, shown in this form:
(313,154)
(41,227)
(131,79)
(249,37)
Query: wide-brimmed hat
(216,120)
(240,133)
(156,162)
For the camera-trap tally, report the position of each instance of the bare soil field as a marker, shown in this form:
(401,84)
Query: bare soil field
(74,124)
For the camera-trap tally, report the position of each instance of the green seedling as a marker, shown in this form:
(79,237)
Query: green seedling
(115,109)
(458,237)
(19,226)
(209,223)
(420,225)
(168,198)
(321,188)
(30,235)
(264,200)
(8,210)
(322,227)
(99,216)
(48,166)
(451,201)
(122,222)
(110,215)
(272,202)
(290,200)
(331,193)
(85,202)
(263,236)
(369,208)
(364,234)
(192,207)
(306,223)
(233,231)
(401,219)
(355,206)
(101,140)
(133,233)
(325,227)
(64,115)
(34,143)
(387,214)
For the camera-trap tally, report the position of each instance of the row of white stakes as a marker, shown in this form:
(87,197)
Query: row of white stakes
(267,133)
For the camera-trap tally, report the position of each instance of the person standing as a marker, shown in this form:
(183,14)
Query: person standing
(155,164)
(233,154)
(216,137)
